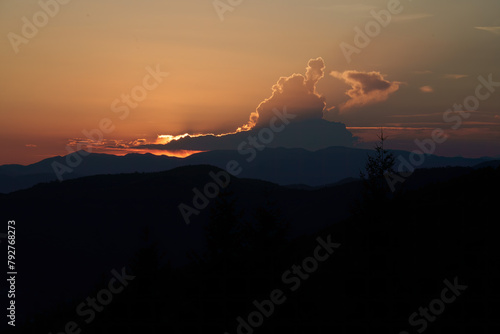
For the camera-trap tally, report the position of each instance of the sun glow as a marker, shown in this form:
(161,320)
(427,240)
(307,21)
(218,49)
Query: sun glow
(165,139)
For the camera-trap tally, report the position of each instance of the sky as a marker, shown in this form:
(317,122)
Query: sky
(130,75)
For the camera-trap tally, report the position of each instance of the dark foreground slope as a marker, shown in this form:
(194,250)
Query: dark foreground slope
(393,260)
(70,233)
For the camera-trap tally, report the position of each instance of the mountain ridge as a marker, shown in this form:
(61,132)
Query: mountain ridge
(284,166)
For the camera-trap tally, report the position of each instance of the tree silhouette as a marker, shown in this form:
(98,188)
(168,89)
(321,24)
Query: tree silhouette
(377,167)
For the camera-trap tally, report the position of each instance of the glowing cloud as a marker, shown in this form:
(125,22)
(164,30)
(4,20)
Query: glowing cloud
(297,93)
(455,76)
(366,88)
(427,89)
(494,30)
(298,96)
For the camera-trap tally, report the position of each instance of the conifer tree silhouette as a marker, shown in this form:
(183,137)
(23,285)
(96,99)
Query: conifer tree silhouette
(376,168)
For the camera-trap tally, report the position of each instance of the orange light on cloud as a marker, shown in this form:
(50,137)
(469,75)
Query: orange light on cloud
(427,89)
(165,139)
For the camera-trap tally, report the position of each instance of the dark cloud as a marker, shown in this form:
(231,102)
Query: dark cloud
(311,134)
(366,88)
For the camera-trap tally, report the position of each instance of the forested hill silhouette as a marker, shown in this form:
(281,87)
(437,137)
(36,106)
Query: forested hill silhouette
(283,166)
(393,258)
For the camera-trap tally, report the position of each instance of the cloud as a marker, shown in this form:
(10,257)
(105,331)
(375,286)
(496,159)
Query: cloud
(366,88)
(427,89)
(106,143)
(311,134)
(31,145)
(297,93)
(417,115)
(137,142)
(494,30)
(455,76)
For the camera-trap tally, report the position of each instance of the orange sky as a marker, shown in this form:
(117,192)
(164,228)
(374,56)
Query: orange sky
(65,78)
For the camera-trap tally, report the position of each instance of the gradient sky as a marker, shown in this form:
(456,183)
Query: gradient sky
(64,78)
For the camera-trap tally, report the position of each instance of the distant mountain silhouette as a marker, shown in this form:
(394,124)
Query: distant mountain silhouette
(284,166)
(493,163)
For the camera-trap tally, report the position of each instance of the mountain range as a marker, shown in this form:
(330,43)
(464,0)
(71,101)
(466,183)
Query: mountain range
(283,166)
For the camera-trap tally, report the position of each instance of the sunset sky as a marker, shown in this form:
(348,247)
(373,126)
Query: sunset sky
(86,55)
